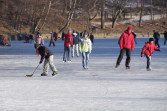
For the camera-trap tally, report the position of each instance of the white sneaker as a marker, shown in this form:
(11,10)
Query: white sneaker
(68,61)
(87,67)
(64,61)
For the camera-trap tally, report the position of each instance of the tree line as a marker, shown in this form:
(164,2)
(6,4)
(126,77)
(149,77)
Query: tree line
(34,13)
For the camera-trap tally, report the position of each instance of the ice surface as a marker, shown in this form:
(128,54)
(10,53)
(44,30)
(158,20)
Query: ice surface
(100,88)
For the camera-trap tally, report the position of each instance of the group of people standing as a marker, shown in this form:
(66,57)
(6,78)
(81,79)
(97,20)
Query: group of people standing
(82,44)
(71,41)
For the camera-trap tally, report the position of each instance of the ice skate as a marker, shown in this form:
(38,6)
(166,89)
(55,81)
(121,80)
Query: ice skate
(44,74)
(55,73)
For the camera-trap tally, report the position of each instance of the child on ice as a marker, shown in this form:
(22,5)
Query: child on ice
(85,48)
(147,50)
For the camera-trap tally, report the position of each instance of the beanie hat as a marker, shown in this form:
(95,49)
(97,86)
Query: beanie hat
(74,31)
(50,32)
(129,28)
(151,39)
(85,33)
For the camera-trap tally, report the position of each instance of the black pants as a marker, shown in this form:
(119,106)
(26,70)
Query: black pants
(53,44)
(156,42)
(128,54)
(92,40)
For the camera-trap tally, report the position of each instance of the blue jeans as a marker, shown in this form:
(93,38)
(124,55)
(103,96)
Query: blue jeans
(148,61)
(67,54)
(85,59)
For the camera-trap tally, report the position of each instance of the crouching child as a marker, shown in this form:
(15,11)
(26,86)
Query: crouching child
(147,50)
(48,56)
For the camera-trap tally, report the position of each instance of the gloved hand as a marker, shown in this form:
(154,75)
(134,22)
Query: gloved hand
(142,54)
(40,61)
(89,52)
(71,45)
(159,50)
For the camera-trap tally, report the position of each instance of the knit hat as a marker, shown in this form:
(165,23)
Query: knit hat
(74,31)
(85,33)
(129,28)
(151,39)
(50,32)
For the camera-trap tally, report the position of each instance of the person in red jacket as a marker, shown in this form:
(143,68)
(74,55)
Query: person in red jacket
(126,43)
(68,43)
(147,50)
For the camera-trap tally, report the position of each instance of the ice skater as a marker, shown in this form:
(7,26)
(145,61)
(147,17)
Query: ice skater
(85,48)
(92,38)
(147,50)
(156,36)
(75,43)
(48,55)
(165,37)
(134,36)
(68,42)
(52,40)
(126,43)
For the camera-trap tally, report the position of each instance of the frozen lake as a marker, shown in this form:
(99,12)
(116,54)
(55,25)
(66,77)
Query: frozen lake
(100,88)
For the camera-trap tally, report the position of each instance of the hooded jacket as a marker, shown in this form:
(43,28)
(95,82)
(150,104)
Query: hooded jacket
(68,40)
(75,38)
(149,48)
(126,41)
(86,45)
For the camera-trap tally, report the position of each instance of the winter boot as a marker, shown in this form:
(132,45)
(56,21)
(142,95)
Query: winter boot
(127,67)
(44,74)
(116,66)
(54,73)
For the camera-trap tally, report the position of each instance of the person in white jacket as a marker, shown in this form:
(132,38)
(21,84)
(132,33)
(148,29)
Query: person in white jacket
(85,48)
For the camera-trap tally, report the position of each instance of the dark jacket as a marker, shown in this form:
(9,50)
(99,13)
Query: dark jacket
(30,37)
(134,34)
(156,35)
(165,34)
(75,38)
(44,51)
(91,37)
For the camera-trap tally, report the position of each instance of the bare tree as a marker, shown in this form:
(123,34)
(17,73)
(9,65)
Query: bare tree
(117,7)
(70,15)
(102,14)
(141,11)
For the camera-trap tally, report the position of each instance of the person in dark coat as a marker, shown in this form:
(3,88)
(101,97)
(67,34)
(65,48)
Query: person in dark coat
(156,36)
(126,43)
(62,36)
(30,38)
(165,37)
(48,56)
(134,36)
(91,38)
(75,43)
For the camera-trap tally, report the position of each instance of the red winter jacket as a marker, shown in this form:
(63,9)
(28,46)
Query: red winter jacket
(68,41)
(4,40)
(149,48)
(126,41)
